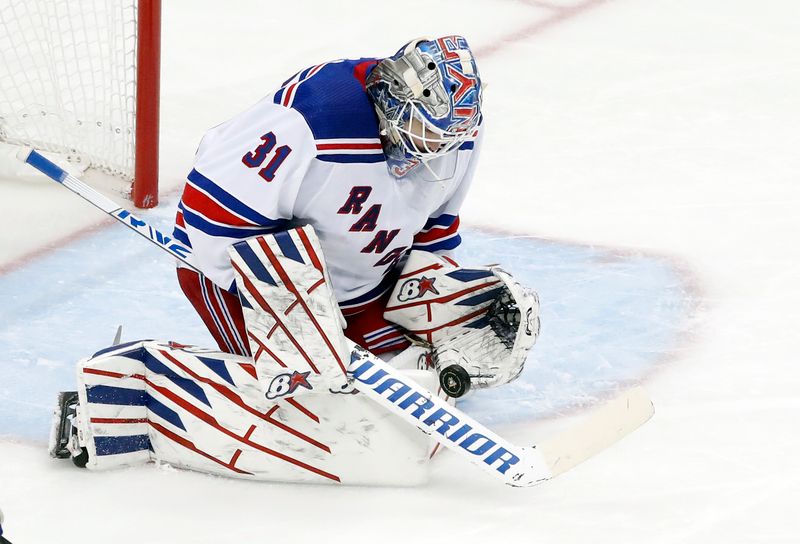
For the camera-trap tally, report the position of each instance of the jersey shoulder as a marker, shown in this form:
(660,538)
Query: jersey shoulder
(333,100)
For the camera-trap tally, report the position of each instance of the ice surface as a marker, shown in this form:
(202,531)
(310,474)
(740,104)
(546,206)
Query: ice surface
(608,318)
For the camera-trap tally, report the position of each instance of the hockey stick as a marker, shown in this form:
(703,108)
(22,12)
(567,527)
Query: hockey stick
(140,227)
(513,465)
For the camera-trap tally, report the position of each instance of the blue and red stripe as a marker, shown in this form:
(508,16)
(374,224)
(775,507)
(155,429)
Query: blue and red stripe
(227,202)
(439,234)
(197,221)
(255,264)
(442,245)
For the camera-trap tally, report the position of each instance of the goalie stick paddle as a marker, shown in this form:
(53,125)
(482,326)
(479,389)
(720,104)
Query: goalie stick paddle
(139,226)
(516,466)
(605,426)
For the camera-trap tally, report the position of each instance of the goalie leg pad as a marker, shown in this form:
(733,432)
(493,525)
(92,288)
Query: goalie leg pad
(111,416)
(204,410)
(293,322)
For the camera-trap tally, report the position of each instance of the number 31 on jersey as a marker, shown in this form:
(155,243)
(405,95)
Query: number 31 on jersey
(255,158)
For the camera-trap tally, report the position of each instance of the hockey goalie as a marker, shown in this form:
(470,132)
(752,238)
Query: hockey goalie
(321,223)
(292,411)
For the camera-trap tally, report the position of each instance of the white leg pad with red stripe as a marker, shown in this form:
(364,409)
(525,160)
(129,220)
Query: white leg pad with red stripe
(289,414)
(204,410)
(112,412)
(293,322)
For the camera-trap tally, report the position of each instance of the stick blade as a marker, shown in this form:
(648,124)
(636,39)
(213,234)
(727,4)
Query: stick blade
(607,425)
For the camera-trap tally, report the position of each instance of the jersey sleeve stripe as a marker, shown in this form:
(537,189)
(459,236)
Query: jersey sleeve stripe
(184,208)
(355,144)
(444,220)
(350,150)
(385,339)
(357,148)
(212,229)
(437,232)
(440,245)
(228,201)
(396,345)
(278,99)
(352,158)
(201,202)
(293,78)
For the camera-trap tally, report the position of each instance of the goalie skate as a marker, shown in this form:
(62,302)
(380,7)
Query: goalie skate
(64,434)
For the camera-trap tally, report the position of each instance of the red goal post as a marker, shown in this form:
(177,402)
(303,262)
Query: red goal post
(81,79)
(148,85)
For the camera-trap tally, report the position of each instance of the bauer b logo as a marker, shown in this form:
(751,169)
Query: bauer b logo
(416,288)
(285,384)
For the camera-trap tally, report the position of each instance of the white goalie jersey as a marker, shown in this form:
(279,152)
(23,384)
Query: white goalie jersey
(311,154)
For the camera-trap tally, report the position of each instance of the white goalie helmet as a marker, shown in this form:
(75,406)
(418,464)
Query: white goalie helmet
(428,99)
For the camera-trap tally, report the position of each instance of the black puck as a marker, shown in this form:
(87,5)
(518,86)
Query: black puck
(454,381)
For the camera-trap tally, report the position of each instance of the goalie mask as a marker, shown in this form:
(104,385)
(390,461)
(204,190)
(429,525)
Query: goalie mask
(428,100)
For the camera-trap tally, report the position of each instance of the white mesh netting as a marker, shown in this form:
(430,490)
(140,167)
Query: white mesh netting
(68,79)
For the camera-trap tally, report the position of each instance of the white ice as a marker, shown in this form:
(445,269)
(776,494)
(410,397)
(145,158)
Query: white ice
(664,129)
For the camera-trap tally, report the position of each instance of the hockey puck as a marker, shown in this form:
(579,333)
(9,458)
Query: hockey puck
(454,381)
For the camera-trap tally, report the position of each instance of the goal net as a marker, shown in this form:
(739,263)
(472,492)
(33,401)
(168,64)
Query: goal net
(71,76)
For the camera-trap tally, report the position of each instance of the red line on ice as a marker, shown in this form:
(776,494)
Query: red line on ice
(558,16)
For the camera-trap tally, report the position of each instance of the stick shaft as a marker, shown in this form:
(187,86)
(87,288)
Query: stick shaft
(139,226)
(399,394)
